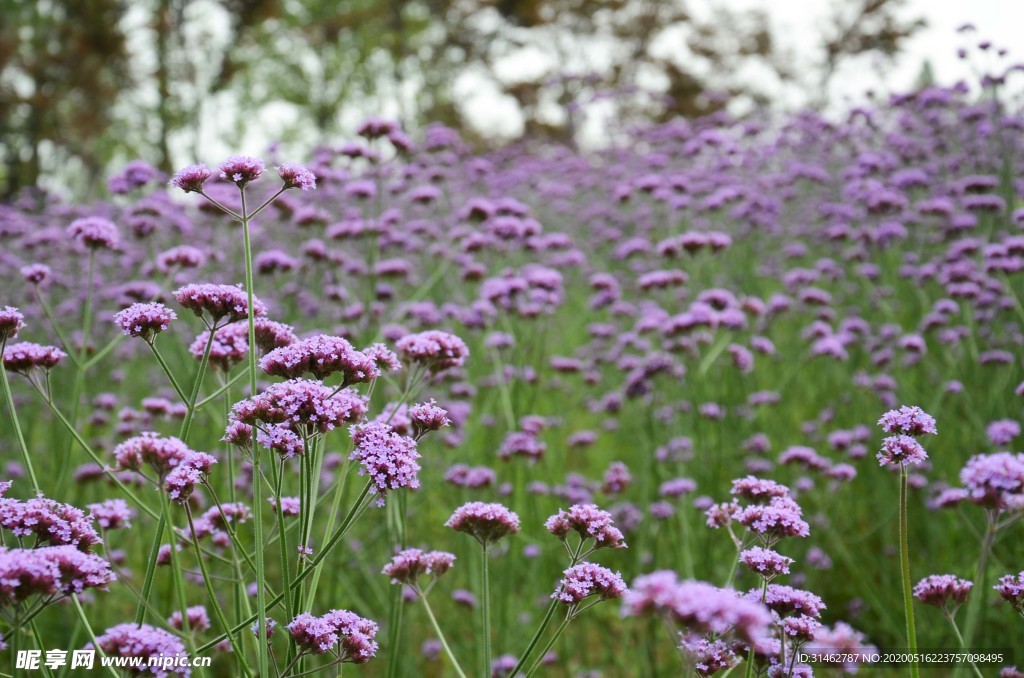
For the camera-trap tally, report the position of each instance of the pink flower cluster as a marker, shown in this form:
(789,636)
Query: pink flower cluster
(351,634)
(409,565)
(321,356)
(389,459)
(587,579)
(487,523)
(589,522)
(50,570)
(144,320)
(303,406)
(145,641)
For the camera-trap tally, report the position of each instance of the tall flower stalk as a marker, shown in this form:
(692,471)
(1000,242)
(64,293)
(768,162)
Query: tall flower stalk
(487,524)
(898,452)
(242,170)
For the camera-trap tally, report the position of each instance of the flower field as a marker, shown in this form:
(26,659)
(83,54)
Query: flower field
(746,388)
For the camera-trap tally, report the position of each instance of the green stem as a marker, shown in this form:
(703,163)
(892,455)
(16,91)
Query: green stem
(908,600)
(257,489)
(92,453)
(154,552)
(88,629)
(167,370)
(486,607)
(87,312)
(221,390)
(353,514)
(536,637)
(39,643)
(396,513)
(236,646)
(444,642)
(191,402)
(395,631)
(9,398)
(339,491)
(68,348)
(547,648)
(104,352)
(960,639)
(283,543)
(177,579)
(976,604)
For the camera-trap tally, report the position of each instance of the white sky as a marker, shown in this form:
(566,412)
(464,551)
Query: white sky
(997,20)
(797,24)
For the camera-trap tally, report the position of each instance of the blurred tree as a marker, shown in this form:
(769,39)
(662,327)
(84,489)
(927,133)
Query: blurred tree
(656,58)
(63,64)
(93,81)
(859,27)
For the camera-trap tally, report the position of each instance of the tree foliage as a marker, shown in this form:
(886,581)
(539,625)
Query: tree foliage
(84,83)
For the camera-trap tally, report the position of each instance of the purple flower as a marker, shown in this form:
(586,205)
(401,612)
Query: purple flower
(198,619)
(942,589)
(1002,432)
(161,453)
(50,570)
(191,178)
(144,641)
(698,607)
(305,407)
(218,302)
(487,523)
(386,359)
(801,628)
(11,322)
(35,274)
(995,480)
(427,417)
(411,564)
(163,556)
(241,169)
(289,505)
(502,666)
(1011,589)
(589,522)
(269,626)
(296,176)
(758,490)
(352,634)
(388,458)
(112,514)
(135,174)
(909,421)
(900,450)
(522,444)
(616,478)
(435,350)
(765,563)
(144,320)
(464,598)
(781,517)
(786,600)
(49,521)
(677,487)
(183,478)
(709,656)
(587,579)
(475,477)
(229,347)
(321,356)
(94,233)
(182,256)
(25,356)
